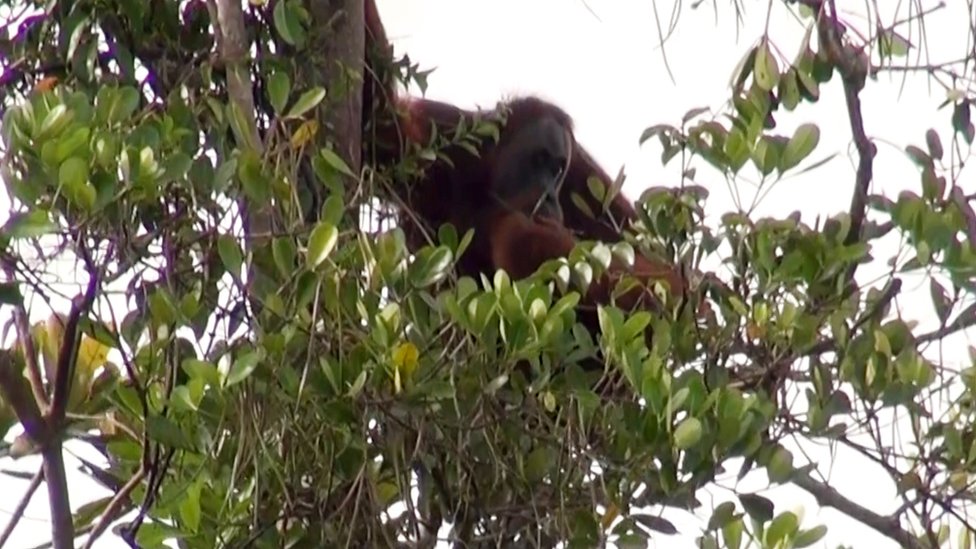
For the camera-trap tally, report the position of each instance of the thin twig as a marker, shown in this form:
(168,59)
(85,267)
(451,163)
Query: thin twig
(956,326)
(26,340)
(48,544)
(18,511)
(114,507)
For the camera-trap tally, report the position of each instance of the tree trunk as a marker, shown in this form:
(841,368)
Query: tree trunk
(338,44)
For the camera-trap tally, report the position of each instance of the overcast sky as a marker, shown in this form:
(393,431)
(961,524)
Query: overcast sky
(600,61)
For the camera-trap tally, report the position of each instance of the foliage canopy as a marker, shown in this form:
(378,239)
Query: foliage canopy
(258,369)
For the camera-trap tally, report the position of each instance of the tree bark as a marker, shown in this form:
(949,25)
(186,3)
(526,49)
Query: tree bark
(338,43)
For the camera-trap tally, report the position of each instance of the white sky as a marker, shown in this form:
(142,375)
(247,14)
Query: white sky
(602,64)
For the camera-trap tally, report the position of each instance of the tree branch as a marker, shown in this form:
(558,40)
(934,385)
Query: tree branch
(342,44)
(887,526)
(62,524)
(16,391)
(22,324)
(232,45)
(853,65)
(69,351)
(114,507)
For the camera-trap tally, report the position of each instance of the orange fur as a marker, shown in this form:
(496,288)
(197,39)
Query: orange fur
(457,191)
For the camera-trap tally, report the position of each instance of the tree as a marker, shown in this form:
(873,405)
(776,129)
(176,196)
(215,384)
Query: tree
(255,367)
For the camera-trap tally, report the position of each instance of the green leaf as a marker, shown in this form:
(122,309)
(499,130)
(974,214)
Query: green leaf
(387,492)
(757,506)
(806,538)
(809,87)
(622,251)
(223,175)
(200,369)
(167,432)
(29,225)
(764,155)
(789,90)
(780,465)
(721,515)
(161,307)
(596,187)
(635,326)
(537,464)
(241,124)
(804,141)
(77,32)
(743,69)
(284,251)
(190,508)
(581,204)
(940,299)
(601,253)
(10,293)
(320,243)
(688,433)
(431,266)
(279,87)
(765,70)
(308,101)
(153,534)
(176,166)
(242,368)
(286,23)
(73,178)
(658,524)
(919,157)
(181,399)
(892,44)
(693,113)
(465,242)
(335,162)
(582,275)
(332,209)
(732,534)
(56,120)
(106,148)
(90,511)
(125,105)
(230,254)
(253,179)
(736,149)
(962,120)
(934,143)
(782,526)
(75,143)
(357,385)
(496,384)
(447,235)
(125,450)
